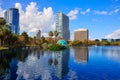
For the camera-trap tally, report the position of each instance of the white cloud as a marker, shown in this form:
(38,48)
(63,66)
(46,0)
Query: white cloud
(107,12)
(101,12)
(73,14)
(116,10)
(85,12)
(33,68)
(114,35)
(32,19)
(72,75)
(1,12)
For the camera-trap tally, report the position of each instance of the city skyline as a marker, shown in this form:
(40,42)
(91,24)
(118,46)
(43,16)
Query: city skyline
(102,21)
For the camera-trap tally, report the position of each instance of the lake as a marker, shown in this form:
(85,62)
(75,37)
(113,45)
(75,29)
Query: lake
(80,63)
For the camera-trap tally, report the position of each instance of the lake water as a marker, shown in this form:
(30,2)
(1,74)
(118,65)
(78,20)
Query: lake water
(81,63)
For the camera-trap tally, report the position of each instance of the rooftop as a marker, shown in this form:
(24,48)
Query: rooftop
(81,29)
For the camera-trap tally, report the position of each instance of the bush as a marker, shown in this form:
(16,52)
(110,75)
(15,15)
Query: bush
(75,43)
(56,47)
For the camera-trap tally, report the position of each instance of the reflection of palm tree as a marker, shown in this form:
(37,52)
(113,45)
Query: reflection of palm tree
(55,61)
(50,61)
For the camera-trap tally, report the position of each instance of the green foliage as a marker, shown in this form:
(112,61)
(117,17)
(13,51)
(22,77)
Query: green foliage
(42,40)
(103,43)
(56,33)
(25,36)
(50,33)
(56,47)
(2,21)
(75,43)
(5,33)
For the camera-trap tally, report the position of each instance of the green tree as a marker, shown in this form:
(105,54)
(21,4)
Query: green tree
(42,40)
(50,39)
(56,34)
(50,34)
(2,21)
(14,38)
(25,36)
(4,32)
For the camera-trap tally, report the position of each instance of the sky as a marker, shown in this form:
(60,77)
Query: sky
(100,17)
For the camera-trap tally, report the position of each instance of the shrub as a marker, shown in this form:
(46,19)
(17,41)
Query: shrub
(56,47)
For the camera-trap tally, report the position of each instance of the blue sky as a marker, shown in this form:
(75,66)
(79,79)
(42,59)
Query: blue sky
(100,17)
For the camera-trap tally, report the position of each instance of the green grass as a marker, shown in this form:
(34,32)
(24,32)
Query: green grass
(3,48)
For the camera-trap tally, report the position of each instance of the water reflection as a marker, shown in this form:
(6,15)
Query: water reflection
(81,54)
(36,64)
(111,52)
(9,60)
(44,65)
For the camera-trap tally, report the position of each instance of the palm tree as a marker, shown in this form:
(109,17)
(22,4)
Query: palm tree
(50,40)
(50,33)
(56,34)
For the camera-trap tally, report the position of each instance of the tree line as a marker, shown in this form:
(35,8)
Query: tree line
(9,39)
(94,42)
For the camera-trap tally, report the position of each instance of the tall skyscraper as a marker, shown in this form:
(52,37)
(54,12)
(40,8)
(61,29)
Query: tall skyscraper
(81,34)
(38,34)
(62,26)
(12,19)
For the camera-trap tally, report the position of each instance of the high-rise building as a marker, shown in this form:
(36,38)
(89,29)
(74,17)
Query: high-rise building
(38,34)
(81,34)
(12,19)
(62,26)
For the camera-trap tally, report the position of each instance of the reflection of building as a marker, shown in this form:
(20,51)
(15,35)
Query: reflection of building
(12,19)
(61,68)
(38,34)
(62,25)
(81,34)
(81,54)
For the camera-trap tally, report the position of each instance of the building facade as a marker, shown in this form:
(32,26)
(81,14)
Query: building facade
(62,26)
(38,34)
(12,19)
(81,34)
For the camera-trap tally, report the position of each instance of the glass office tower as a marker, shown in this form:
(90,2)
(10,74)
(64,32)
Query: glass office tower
(12,19)
(62,26)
